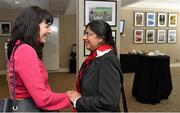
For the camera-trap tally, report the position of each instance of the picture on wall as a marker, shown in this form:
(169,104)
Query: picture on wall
(161,36)
(138,36)
(172,20)
(138,19)
(150,19)
(150,36)
(5,29)
(171,36)
(162,19)
(100,10)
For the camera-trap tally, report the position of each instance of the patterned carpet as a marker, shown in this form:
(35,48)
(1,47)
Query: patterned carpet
(61,82)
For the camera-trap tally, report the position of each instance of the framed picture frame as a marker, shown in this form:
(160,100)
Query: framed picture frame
(162,19)
(172,20)
(5,28)
(138,19)
(114,35)
(150,19)
(161,36)
(138,36)
(171,36)
(150,36)
(100,10)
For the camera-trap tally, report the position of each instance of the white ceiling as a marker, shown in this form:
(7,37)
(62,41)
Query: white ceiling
(155,4)
(66,7)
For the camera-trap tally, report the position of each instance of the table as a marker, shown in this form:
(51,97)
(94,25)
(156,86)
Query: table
(129,62)
(152,81)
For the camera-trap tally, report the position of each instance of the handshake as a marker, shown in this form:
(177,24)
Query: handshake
(73,96)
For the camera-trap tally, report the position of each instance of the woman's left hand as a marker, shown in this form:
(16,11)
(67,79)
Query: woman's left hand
(73,95)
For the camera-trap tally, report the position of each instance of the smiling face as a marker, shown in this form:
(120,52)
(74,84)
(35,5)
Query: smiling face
(91,40)
(45,30)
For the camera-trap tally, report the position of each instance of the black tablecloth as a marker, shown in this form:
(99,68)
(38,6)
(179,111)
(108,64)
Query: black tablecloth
(152,81)
(129,62)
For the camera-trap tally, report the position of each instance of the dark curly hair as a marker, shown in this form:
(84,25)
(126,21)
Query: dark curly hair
(26,29)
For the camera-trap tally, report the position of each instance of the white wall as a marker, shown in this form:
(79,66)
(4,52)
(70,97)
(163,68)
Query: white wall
(51,49)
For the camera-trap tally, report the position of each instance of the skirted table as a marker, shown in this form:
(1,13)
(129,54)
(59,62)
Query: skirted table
(152,81)
(129,62)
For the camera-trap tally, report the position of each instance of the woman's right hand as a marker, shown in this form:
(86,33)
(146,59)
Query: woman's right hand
(73,95)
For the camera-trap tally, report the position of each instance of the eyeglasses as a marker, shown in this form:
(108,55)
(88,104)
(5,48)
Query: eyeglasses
(89,34)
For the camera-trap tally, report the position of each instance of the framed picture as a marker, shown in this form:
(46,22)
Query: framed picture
(150,36)
(5,28)
(150,19)
(138,36)
(172,20)
(114,35)
(162,19)
(100,10)
(161,36)
(138,19)
(171,36)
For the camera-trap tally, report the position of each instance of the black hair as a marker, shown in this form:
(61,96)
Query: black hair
(103,30)
(26,29)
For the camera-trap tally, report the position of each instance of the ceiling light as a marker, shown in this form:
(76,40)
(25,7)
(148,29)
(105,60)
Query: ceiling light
(16,2)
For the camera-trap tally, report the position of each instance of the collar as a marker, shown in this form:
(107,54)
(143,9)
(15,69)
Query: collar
(101,53)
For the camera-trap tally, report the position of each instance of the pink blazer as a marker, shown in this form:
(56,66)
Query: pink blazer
(32,80)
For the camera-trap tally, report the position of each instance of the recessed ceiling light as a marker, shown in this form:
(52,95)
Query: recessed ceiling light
(16,2)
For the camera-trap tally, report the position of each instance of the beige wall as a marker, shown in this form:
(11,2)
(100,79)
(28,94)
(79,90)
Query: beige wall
(69,27)
(127,41)
(5,16)
(67,37)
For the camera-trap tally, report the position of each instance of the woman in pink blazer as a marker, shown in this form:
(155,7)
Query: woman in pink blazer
(29,33)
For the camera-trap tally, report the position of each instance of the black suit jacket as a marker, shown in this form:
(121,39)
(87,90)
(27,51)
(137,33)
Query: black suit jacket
(101,85)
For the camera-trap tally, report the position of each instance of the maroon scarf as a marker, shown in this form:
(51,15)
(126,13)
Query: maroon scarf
(87,62)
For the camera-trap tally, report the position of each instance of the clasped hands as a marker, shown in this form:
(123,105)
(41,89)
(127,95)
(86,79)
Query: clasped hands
(73,95)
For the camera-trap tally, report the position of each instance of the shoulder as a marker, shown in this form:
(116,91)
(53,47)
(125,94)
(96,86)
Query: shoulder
(25,49)
(110,56)
(109,60)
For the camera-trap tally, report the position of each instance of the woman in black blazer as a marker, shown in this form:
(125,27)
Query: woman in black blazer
(99,79)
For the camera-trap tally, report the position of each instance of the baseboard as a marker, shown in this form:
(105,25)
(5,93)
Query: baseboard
(175,65)
(3,72)
(59,70)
